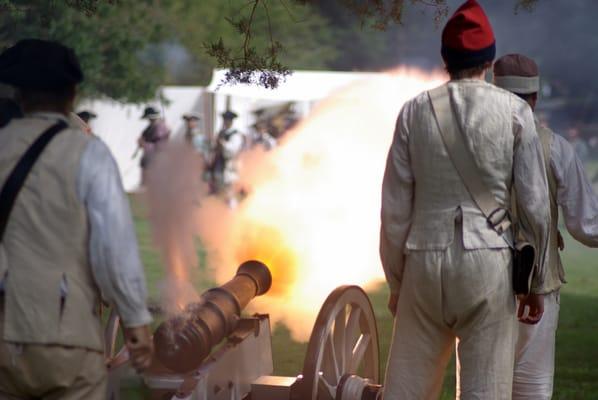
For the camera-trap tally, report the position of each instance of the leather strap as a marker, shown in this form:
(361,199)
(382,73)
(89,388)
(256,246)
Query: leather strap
(16,179)
(454,141)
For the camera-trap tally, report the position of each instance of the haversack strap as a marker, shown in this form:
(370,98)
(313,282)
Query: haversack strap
(454,141)
(16,179)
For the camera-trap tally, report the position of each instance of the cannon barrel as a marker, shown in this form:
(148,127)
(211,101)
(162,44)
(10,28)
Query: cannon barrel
(184,341)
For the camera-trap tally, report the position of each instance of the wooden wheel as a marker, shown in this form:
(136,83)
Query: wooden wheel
(344,341)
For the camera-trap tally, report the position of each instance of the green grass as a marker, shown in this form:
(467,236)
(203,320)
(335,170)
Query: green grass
(577,339)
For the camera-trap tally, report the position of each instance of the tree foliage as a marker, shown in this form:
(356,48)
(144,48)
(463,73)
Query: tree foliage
(108,37)
(126,47)
(256,41)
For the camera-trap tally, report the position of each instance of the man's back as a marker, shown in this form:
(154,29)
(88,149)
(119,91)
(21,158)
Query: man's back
(449,273)
(439,191)
(46,238)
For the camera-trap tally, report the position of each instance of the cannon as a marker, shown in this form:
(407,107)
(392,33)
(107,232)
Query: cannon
(212,352)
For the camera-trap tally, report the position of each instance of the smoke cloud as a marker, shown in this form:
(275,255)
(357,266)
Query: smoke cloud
(173,191)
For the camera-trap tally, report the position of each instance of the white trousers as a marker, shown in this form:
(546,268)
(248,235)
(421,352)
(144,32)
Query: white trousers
(534,354)
(449,295)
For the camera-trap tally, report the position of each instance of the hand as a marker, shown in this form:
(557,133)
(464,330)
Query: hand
(392,303)
(535,305)
(140,345)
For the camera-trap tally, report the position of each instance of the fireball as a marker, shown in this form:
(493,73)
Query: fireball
(312,212)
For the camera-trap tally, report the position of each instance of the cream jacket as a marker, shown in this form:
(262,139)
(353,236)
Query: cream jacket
(423,195)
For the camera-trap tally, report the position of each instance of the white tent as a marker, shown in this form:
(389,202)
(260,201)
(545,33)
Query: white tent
(120,125)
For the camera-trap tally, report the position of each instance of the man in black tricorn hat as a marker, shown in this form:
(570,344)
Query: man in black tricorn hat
(229,144)
(87,116)
(153,137)
(66,239)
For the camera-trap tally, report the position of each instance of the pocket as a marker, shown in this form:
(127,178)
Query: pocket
(432,231)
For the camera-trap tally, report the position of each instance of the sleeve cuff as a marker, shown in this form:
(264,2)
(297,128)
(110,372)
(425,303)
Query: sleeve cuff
(140,319)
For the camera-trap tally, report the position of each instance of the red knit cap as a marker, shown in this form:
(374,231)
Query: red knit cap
(467,38)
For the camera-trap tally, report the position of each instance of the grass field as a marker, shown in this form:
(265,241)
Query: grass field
(577,340)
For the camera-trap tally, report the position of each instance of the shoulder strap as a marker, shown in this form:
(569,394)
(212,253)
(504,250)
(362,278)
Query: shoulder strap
(462,159)
(546,138)
(19,174)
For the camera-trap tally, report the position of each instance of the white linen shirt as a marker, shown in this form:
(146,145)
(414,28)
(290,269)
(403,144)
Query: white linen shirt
(575,195)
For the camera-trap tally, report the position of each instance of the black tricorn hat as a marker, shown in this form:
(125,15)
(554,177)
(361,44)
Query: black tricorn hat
(40,65)
(229,115)
(150,112)
(192,115)
(86,115)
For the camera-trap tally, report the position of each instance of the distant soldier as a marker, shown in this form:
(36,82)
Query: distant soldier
(195,137)
(262,137)
(229,144)
(83,119)
(570,189)
(445,252)
(67,239)
(153,137)
(87,116)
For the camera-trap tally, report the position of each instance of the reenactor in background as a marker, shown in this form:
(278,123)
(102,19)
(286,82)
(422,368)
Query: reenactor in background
(66,240)
(87,116)
(153,137)
(196,137)
(448,268)
(229,144)
(191,125)
(262,137)
(82,123)
(570,189)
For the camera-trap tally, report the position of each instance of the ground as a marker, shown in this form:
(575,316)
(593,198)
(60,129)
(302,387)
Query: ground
(577,339)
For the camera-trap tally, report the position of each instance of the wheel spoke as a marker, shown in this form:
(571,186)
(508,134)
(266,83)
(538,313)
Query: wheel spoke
(359,352)
(325,387)
(344,340)
(339,338)
(353,332)
(330,368)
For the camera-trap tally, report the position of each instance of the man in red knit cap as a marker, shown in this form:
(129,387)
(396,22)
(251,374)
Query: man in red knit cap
(446,253)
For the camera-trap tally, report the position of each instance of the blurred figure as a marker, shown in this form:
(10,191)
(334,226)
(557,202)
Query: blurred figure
(447,265)
(67,239)
(77,121)
(191,125)
(261,136)
(87,116)
(578,143)
(570,189)
(152,138)
(229,144)
(196,137)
